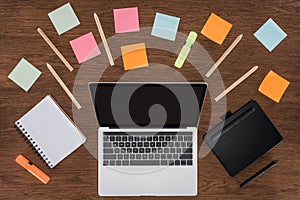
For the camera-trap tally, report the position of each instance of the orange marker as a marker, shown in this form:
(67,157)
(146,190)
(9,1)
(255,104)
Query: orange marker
(29,166)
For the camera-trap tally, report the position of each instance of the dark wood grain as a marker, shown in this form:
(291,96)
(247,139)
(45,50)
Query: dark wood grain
(76,176)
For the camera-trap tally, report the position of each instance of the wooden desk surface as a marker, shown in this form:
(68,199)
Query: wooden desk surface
(76,176)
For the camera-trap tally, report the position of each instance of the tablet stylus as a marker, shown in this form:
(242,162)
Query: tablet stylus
(260,172)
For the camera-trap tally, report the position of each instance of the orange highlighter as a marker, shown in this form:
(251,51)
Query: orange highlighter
(29,166)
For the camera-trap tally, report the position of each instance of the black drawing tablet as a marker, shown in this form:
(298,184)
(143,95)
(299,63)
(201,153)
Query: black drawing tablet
(247,134)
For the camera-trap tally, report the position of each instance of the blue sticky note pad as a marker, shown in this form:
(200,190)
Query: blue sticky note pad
(270,34)
(64,18)
(165,26)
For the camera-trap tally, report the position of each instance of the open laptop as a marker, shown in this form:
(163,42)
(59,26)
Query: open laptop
(147,140)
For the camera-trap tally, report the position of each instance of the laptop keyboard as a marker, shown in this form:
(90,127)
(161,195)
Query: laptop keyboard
(138,149)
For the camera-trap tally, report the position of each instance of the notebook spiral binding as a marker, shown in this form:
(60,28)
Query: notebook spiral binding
(34,145)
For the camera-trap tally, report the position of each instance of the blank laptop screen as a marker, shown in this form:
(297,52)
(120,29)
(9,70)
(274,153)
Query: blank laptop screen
(148,105)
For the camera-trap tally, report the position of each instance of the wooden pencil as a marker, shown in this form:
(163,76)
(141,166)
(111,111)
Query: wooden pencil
(236,83)
(63,85)
(106,47)
(53,47)
(225,54)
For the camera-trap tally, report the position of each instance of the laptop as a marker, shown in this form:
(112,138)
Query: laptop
(147,139)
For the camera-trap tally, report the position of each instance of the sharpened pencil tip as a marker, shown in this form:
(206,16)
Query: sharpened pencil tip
(242,35)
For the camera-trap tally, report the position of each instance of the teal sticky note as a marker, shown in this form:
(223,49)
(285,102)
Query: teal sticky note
(64,18)
(24,74)
(270,34)
(165,26)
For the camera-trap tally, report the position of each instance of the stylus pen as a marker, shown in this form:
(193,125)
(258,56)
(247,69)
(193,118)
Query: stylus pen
(260,172)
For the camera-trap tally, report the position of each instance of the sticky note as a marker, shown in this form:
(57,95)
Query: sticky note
(64,18)
(165,26)
(273,86)
(85,47)
(126,20)
(24,74)
(270,34)
(216,28)
(134,56)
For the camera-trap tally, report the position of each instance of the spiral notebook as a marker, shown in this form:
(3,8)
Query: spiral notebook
(50,131)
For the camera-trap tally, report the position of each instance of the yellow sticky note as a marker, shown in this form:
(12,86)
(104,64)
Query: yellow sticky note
(216,28)
(273,86)
(134,56)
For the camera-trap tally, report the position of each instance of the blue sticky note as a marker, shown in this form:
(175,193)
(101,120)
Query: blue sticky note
(165,26)
(270,34)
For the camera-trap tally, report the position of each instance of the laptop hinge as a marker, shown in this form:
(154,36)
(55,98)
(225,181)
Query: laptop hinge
(192,127)
(108,128)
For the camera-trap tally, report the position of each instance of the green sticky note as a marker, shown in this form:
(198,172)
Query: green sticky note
(24,74)
(64,18)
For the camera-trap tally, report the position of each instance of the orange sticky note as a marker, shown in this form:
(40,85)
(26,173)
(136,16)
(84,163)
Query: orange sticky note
(134,56)
(273,86)
(216,28)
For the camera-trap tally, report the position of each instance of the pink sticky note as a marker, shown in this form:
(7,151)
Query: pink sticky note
(85,47)
(126,20)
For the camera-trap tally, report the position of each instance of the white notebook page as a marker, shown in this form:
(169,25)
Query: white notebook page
(50,131)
